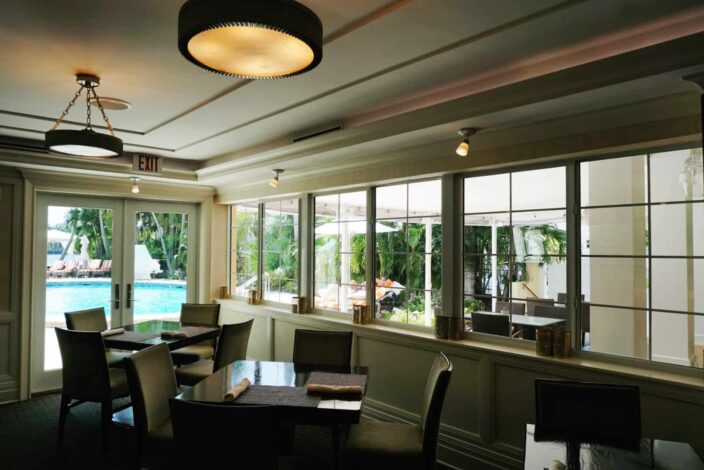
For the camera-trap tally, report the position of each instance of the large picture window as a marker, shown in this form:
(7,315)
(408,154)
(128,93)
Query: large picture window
(244,245)
(280,251)
(408,235)
(340,251)
(642,256)
(515,247)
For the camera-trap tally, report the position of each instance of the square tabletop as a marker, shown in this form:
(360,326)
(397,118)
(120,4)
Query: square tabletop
(282,384)
(527,320)
(148,333)
(648,454)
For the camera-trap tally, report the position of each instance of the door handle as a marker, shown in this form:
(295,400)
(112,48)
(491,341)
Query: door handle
(116,299)
(129,296)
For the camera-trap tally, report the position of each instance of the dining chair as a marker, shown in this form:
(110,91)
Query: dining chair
(197,314)
(585,322)
(93,319)
(548,311)
(532,303)
(381,445)
(603,413)
(491,323)
(322,348)
(151,379)
(203,433)
(231,346)
(87,378)
(516,308)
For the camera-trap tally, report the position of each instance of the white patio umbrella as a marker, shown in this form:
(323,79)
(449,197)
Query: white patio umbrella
(353,228)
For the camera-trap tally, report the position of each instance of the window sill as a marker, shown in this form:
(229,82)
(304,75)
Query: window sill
(520,349)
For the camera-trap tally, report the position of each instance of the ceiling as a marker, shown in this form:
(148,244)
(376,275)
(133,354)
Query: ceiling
(382,58)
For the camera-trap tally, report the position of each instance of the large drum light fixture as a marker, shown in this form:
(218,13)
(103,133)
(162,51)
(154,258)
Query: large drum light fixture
(86,142)
(255,39)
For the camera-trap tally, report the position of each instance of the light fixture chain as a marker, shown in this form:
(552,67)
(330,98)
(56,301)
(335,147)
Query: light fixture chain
(88,124)
(102,111)
(65,113)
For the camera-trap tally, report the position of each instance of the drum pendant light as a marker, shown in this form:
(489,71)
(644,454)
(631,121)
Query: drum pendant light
(254,39)
(86,142)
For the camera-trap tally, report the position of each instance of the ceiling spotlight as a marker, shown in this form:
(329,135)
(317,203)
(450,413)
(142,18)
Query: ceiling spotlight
(135,184)
(250,39)
(274,182)
(86,142)
(463,148)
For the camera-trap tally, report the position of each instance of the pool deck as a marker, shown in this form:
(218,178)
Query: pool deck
(97,280)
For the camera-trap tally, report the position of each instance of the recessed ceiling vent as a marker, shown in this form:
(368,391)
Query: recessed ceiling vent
(310,133)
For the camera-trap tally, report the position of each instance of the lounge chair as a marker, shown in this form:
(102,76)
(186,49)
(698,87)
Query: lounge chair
(56,267)
(69,270)
(104,270)
(93,266)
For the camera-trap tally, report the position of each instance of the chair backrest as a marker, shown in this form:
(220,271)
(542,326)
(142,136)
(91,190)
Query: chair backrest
(515,308)
(548,311)
(232,343)
(585,320)
(587,411)
(322,348)
(532,303)
(562,297)
(151,378)
(202,431)
(200,314)
(431,410)
(95,263)
(492,323)
(92,319)
(85,368)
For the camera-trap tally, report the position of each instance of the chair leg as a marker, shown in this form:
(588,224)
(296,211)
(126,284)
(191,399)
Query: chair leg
(336,446)
(63,411)
(105,419)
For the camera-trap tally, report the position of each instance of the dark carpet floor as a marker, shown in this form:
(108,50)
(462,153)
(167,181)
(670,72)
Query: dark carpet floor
(28,440)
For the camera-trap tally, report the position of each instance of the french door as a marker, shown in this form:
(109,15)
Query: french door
(136,259)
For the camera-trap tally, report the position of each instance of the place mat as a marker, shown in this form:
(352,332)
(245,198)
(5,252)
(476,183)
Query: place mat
(335,379)
(281,396)
(132,336)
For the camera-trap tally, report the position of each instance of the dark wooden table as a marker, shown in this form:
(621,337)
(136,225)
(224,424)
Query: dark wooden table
(148,333)
(329,410)
(649,454)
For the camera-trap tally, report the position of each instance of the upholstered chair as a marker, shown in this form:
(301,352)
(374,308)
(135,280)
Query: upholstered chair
(380,445)
(150,374)
(232,346)
(206,435)
(93,319)
(322,348)
(203,315)
(87,378)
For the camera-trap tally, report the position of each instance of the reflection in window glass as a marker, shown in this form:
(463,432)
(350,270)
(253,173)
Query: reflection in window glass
(408,244)
(515,260)
(280,251)
(340,251)
(244,243)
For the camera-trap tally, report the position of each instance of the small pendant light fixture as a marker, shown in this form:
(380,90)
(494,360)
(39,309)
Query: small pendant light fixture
(86,142)
(463,148)
(135,184)
(274,182)
(252,39)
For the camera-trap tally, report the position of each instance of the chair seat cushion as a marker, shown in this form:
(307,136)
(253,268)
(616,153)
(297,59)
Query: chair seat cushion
(373,444)
(191,374)
(115,358)
(118,383)
(193,353)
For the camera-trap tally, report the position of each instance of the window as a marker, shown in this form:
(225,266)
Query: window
(642,257)
(244,245)
(515,247)
(280,251)
(408,252)
(340,251)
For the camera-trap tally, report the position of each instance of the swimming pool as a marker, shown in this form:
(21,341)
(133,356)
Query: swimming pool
(151,297)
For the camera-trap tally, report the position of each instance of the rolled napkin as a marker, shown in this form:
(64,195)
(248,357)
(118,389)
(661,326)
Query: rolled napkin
(112,332)
(237,390)
(174,334)
(320,388)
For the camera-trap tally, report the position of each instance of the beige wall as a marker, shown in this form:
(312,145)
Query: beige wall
(491,394)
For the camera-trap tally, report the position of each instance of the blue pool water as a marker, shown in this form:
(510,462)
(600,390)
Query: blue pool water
(150,297)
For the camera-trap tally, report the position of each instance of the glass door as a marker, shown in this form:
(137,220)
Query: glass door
(160,252)
(77,265)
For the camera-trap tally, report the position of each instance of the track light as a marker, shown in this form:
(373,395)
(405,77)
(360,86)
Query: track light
(463,148)
(135,184)
(275,180)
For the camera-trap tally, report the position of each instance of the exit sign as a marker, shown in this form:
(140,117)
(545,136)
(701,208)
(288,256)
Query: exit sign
(147,164)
